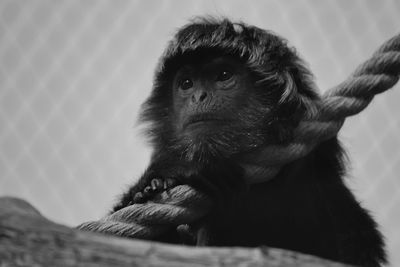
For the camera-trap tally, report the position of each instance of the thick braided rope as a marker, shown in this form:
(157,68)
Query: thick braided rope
(183,204)
(374,76)
(179,205)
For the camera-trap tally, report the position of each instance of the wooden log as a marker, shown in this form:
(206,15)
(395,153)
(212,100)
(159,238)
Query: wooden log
(29,239)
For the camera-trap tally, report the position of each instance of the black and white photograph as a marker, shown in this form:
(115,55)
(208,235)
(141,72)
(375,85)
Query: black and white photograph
(200,133)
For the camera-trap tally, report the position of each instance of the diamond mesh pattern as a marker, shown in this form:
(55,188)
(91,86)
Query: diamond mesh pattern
(73,74)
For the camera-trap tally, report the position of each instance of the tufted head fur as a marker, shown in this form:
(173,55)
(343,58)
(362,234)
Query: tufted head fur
(280,74)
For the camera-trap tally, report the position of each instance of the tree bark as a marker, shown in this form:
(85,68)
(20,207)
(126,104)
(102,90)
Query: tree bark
(29,239)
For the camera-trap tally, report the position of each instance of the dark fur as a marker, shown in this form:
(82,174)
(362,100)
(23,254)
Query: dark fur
(307,207)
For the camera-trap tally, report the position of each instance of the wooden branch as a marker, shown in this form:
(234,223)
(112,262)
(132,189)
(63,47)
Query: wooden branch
(29,239)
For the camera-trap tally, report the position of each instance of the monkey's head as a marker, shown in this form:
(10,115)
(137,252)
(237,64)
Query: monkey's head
(222,89)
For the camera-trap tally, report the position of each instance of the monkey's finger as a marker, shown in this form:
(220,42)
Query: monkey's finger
(186,234)
(165,185)
(156,184)
(138,198)
(171,182)
(148,191)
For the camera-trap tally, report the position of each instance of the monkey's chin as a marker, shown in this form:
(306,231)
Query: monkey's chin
(202,144)
(203,133)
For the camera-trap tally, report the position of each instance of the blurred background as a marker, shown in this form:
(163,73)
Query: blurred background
(74,73)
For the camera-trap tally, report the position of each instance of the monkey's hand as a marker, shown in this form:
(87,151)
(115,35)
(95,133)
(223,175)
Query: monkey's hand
(187,234)
(156,186)
(181,204)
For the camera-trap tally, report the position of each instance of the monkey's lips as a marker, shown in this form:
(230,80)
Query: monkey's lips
(204,118)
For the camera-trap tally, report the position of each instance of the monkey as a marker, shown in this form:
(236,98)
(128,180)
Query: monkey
(222,92)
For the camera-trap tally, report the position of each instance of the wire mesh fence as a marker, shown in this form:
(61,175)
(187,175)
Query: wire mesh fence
(74,73)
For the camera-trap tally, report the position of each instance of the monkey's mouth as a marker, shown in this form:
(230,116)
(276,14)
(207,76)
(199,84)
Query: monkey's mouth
(204,118)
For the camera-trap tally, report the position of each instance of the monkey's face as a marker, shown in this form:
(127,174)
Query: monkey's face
(208,95)
(216,106)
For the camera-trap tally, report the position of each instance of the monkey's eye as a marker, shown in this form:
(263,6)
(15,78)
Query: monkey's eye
(224,75)
(186,84)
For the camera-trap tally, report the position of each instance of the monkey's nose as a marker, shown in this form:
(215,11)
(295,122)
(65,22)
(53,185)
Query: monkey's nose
(199,96)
